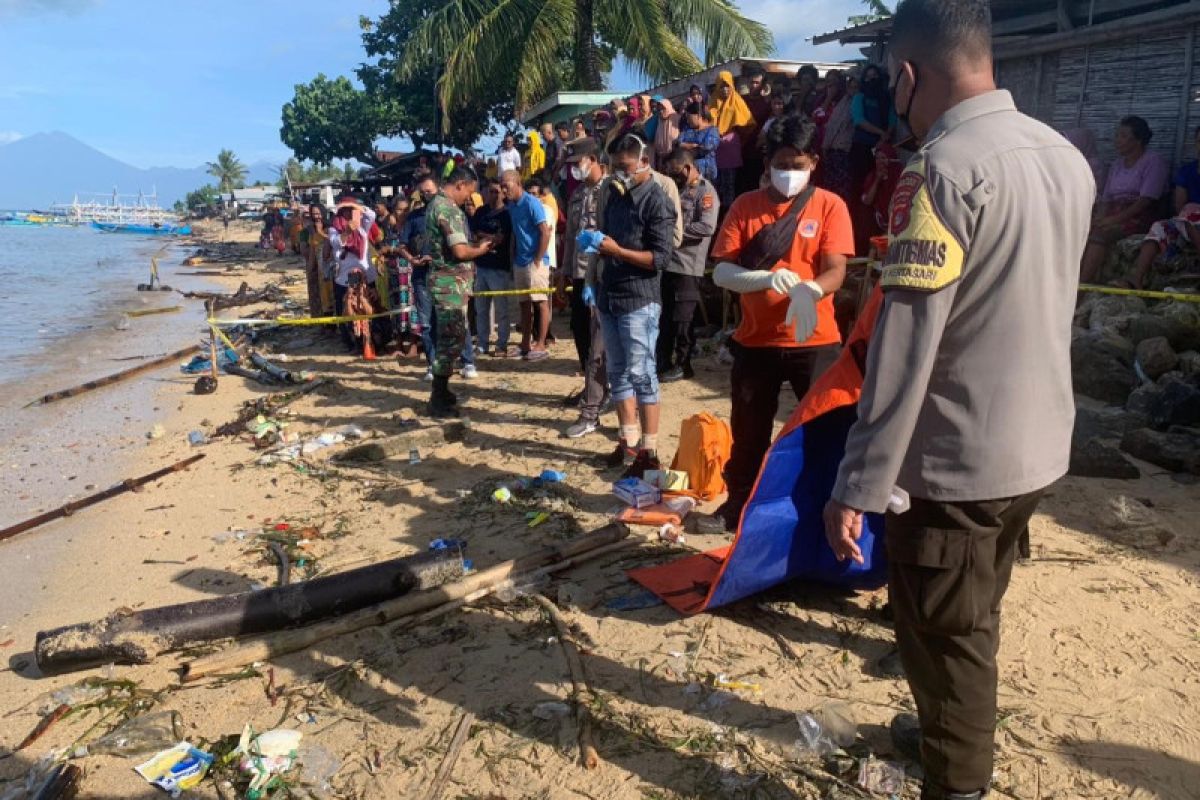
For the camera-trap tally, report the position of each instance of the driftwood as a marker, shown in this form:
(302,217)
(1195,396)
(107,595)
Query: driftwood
(244,296)
(441,599)
(146,312)
(581,691)
(115,377)
(401,445)
(452,753)
(139,636)
(265,405)
(67,509)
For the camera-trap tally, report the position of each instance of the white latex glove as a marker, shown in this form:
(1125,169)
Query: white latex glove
(802,310)
(738,279)
(782,280)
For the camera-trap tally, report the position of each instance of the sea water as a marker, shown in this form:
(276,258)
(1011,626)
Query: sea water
(61,285)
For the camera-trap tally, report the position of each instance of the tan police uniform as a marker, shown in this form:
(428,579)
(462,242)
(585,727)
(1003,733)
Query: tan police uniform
(967,402)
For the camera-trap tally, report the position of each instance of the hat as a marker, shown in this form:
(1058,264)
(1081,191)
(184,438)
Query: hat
(580,148)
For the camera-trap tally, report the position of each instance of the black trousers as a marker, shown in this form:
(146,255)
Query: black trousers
(949,565)
(680,296)
(581,324)
(758,375)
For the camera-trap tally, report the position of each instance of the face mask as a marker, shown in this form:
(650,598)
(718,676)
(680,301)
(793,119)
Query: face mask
(789,182)
(912,96)
(427,196)
(578,172)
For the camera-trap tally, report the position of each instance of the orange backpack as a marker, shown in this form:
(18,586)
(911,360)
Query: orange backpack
(704,445)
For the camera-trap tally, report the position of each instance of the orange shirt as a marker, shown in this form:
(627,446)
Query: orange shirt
(824,228)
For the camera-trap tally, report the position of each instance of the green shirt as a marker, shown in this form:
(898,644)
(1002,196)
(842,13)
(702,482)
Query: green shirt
(446,226)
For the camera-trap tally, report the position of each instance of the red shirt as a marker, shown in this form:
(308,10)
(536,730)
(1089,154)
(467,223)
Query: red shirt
(824,227)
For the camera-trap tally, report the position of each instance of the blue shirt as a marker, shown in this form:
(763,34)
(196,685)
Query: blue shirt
(527,216)
(705,154)
(1188,178)
(414,237)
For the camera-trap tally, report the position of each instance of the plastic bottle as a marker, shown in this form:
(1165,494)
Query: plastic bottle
(145,734)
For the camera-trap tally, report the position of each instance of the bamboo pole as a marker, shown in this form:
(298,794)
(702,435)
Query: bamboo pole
(567,554)
(116,377)
(67,509)
(145,312)
(212,341)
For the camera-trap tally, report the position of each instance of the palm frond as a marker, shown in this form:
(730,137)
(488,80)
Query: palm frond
(639,30)
(440,34)
(538,76)
(722,30)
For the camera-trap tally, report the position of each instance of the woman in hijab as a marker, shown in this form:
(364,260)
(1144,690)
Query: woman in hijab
(666,131)
(736,125)
(535,159)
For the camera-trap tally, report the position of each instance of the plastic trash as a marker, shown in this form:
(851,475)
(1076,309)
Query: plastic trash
(74,695)
(176,768)
(197,438)
(635,601)
(553,476)
(537,518)
(157,432)
(813,741)
(265,757)
(414,456)
(837,720)
(671,533)
(551,709)
(352,431)
(145,734)
(502,495)
(320,765)
(881,777)
(725,682)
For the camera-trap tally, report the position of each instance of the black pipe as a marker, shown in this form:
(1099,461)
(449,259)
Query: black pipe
(137,637)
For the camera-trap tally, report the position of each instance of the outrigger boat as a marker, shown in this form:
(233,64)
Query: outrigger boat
(156,229)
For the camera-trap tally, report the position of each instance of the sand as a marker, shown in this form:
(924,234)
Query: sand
(1100,663)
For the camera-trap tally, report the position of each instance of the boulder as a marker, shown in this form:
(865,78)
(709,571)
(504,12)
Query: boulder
(1108,422)
(1189,363)
(1187,314)
(1177,451)
(1094,459)
(1133,522)
(1115,313)
(1178,402)
(1142,401)
(1156,356)
(1102,365)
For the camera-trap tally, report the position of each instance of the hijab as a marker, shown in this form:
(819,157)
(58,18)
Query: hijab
(535,159)
(731,113)
(668,129)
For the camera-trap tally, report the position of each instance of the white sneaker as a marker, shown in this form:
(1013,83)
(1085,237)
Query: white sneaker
(469,372)
(429,375)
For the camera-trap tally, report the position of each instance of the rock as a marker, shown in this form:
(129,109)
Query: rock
(1102,365)
(1187,314)
(1109,422)
(1115,313)
(1175,451)
(1142,401)
(1149,326)
(1094,459)
(1177,403)
(1189,362)
(1134,523)
(1156,356)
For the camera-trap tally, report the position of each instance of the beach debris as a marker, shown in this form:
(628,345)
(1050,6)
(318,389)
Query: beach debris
(244,296)
(723,681)
(461,733)
(44,724)
(137,735)
(552,476)
(226,358)
(146,312)
(417,605)
(67,509)
(881,777)
(177,768)
(266,757)
(197,438)
(502,495)
(265,406)
(319,764)
(116,377)
(156,432)
(814,740)
(122,323)
(669,480)
(47,779)
(551,709)
(672,534)
(635,492)
(414,456)
(139,636)
(205,384)
(536,518)
(582,694)
(634,602)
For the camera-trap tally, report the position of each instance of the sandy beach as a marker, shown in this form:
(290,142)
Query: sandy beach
(1100,663)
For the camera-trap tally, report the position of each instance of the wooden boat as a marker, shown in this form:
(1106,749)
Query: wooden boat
(144,230)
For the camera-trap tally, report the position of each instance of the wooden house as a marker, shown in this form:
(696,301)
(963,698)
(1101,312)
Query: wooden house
(1088,63)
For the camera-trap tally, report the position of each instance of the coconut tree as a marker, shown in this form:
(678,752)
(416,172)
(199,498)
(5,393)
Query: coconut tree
(477,40)
(228,170)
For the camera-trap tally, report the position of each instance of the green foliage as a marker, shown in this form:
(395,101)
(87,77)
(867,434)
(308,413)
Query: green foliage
(228,170)
(206,195)
(876,10)
(298,172)
(328,119)
(478,40)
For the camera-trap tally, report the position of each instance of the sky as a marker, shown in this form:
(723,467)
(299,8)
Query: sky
(171,83)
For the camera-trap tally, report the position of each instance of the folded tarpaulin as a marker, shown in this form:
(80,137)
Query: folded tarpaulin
(781,535)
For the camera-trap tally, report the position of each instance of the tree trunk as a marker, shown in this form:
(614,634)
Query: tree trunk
(587,68)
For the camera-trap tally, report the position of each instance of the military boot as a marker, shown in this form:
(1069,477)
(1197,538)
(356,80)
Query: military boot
(441,401)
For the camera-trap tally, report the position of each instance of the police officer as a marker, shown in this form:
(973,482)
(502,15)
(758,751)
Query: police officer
(451,274)
(967,401)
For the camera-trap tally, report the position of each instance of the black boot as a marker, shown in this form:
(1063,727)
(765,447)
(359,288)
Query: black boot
(441,401)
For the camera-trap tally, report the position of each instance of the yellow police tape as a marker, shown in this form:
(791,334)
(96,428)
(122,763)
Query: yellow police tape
(1149,295)
(229,323)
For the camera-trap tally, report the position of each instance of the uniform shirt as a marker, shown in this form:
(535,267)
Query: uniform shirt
(967,391)
(347,260)
(583,214)
(640,218)
(700,209)
(824,227)
(496,223)
(446,225)
(527,215)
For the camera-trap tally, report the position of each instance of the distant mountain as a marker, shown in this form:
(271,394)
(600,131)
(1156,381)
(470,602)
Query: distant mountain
(47,168)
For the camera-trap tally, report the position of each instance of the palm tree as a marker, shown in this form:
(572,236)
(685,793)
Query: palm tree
(228,170)
(477,40)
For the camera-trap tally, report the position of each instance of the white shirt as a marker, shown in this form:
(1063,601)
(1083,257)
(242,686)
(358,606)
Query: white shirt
(509,160)
(346,261)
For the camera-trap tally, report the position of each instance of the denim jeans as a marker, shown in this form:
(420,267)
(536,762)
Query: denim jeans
(492,280)
(423,311)
(629,341)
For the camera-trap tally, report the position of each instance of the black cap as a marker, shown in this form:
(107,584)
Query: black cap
(579,148)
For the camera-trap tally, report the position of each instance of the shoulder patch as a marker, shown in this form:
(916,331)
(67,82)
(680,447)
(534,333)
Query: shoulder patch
(923,254)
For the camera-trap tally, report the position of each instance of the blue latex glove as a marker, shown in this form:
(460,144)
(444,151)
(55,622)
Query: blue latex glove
(589,296)
(590,241)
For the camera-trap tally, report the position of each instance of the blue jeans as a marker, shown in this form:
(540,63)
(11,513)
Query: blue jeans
(630,340)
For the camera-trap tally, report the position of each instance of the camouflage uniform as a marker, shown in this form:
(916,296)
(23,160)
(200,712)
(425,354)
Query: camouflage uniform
(449,281)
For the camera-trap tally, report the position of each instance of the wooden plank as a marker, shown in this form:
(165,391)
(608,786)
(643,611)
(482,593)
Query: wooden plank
(1185,94)
(1138,25)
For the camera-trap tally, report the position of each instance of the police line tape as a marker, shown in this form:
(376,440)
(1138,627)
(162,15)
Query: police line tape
(1145,293)
(253,321)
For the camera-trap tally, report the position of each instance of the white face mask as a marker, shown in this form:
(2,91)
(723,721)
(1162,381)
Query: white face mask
(578,172)
(789,182)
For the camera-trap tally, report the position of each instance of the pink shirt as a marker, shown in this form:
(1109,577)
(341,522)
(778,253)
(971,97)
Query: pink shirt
(1146,178)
